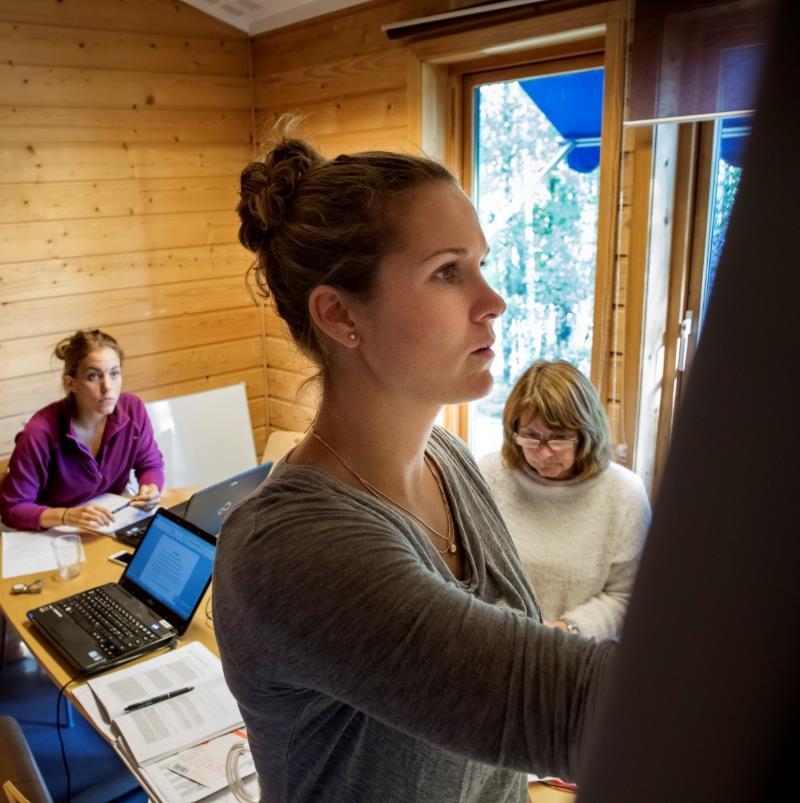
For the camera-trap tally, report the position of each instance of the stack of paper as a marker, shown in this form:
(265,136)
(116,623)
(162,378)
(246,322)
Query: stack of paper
(177,746)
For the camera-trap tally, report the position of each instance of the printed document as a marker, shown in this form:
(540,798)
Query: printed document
(167,727)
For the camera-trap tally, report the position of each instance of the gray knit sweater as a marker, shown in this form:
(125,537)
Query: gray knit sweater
(365,671)
(579,540)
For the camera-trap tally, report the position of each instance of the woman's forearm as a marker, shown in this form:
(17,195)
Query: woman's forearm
(53,517)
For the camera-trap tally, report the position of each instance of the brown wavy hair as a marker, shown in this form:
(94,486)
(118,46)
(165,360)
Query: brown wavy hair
(311,221)
(77,347)
(565,399)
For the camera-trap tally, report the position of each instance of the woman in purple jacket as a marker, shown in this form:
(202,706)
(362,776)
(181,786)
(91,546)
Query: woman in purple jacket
(83,445)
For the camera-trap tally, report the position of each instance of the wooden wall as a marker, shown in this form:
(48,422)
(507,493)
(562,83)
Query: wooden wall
(123,127)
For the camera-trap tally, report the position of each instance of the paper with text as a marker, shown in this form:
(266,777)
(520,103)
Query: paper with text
(189,665)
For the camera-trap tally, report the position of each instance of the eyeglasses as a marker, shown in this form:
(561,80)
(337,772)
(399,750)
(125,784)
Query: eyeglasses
(556,444)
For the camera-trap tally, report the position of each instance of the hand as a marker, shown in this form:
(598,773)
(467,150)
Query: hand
(88,517)
(147,498)
(558,623)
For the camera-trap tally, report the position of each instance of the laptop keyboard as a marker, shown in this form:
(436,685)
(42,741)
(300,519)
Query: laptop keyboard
(116,630)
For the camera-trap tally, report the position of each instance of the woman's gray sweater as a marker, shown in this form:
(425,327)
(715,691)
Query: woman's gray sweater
(365,671)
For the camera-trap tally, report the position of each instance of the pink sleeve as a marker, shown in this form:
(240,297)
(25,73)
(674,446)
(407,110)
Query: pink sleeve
(27,475)
(148,463)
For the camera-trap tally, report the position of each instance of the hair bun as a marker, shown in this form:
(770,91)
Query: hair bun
(62,347)
(267,189)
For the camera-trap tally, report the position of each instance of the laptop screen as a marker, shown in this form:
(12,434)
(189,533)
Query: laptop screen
(208,508)
(172,565)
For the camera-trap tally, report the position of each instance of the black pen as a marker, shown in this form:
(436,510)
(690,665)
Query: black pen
(121,507)
(160,698)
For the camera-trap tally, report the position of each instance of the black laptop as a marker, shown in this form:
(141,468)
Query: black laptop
(206,508)
(150,606)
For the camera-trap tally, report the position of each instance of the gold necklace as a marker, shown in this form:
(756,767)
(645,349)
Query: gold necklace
(449,538)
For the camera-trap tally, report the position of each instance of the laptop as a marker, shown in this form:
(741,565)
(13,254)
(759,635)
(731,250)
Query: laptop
(151,605)
(206,508)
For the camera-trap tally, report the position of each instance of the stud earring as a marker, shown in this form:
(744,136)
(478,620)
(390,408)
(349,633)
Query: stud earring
(352,337)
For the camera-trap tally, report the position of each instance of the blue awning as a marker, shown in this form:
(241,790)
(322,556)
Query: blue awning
(573,102)
(735,131)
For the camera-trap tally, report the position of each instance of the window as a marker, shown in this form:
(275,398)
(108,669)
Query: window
(730,137)
(698,167)
(534,168)
(445,72)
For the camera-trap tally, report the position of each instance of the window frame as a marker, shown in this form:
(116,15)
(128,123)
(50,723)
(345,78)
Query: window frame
(469,82)
(437,68)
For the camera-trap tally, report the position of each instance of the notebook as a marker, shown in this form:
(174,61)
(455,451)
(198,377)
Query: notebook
(206,508)
(151,605)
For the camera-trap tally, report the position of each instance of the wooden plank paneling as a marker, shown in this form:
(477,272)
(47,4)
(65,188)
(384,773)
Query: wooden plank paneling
(40,124)
(9,427)
(367,112)
(33,355)
(292,387)
(42,316)
(191,363)
(63,239)
(93,199)
(148,16)
(275,325)
(259,441)
(253,379)
(29,85)
(339,35)
(124,126)
(391,139)
(289,416)
(47,45)
(54,278)
(284,354)
(366,72)
(95,162)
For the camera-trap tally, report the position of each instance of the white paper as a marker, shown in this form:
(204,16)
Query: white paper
(189,665)
(169,787)
(29,553)
(205,764)
(91,709)
(122,518)
(164,786)
(162,729)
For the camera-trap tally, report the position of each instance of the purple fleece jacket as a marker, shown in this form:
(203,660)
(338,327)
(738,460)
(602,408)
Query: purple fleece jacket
(49,467)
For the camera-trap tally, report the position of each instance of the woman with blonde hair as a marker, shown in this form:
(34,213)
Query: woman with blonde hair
(577,518)
(374,621)
(83,445)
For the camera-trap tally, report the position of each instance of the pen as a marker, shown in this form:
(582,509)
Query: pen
(121,507)
(160,698)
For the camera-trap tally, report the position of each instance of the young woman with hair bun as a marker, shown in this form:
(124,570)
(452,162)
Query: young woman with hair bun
(83,445)
(375,623)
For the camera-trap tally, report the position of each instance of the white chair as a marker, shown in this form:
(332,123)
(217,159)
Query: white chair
(279,443)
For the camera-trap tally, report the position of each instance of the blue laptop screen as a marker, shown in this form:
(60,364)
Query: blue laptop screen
(172,565)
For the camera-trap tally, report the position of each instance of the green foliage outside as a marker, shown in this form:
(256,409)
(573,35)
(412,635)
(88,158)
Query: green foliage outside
(726,185)
(541,222)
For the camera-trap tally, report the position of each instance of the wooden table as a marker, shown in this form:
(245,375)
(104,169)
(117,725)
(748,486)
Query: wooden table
(95,571)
